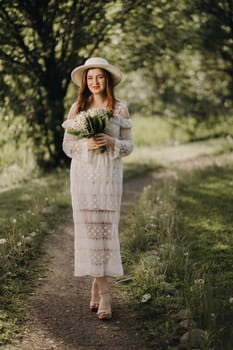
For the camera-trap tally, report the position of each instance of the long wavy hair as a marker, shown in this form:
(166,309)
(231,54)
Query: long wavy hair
(85,97)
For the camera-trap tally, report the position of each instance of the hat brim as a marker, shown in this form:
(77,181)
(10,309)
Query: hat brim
(77,73)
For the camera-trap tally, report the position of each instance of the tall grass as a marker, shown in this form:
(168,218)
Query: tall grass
(177,251)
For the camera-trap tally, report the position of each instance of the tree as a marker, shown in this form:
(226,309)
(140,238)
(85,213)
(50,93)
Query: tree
(163,43)
(212,21)
(41,42)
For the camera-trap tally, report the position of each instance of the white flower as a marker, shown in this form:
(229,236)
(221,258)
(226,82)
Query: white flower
(80,122)
(3,240)
(199,281)
(33,234)
(14,221)
(231,300)
(28,238)
(146,297)
(149,227)
(186,254)
(19,244)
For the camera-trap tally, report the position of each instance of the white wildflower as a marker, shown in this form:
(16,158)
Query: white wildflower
(149,227)
(14,221)
(186,254)
(3,240)
(146,297)
(80,122)
(28,238)
(92,112)
(46,199)
(19,244)
(33,234)
(199,281)
(231,300)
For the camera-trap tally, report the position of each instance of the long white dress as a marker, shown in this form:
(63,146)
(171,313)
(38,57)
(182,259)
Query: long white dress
(96,189)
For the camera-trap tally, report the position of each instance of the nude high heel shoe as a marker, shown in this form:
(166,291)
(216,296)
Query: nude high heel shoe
(104,310)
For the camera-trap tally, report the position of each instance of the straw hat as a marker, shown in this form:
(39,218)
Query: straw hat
(96,62)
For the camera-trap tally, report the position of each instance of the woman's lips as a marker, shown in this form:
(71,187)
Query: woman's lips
(96,87)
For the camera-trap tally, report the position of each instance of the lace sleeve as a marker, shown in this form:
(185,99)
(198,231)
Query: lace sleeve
(72,147)
(124,145)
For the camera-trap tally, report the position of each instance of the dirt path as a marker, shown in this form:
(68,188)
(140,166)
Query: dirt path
(58,311)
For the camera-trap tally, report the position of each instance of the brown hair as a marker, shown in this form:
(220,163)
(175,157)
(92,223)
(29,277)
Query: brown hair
(85,96)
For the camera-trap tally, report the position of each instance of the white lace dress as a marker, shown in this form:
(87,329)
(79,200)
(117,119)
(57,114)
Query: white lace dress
(96,189)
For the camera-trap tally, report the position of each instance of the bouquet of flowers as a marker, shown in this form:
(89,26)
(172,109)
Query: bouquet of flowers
(89,123)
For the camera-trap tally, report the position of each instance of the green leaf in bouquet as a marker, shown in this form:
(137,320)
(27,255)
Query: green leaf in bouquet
(97,124)
(79,134)
(90,126)
(105,123)
(73,132)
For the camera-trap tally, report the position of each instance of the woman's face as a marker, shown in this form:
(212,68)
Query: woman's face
(96,81)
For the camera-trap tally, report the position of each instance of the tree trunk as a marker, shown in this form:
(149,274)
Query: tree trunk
(48,133)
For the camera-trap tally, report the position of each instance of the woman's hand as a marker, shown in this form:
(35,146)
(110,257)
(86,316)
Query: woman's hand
(100,140)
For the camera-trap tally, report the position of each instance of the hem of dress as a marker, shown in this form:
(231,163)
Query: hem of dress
(105,275)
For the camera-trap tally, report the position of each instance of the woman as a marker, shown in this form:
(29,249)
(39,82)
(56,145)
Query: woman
(96,180)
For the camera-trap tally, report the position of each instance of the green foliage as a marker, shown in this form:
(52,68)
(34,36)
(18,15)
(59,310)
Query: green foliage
(172,72)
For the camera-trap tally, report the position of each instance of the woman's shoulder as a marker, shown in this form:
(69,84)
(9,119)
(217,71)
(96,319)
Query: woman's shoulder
(122,109)
(72,111)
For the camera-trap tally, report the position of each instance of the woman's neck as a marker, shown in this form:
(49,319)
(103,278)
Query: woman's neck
(99,101)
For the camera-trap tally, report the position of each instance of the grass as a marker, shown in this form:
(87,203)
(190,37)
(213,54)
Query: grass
(171,131)
(30,213)
(177,245)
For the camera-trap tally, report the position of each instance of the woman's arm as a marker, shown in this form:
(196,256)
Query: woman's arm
(72,147)
(124,145)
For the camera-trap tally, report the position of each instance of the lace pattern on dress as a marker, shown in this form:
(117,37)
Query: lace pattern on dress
(100,256)
(98,223)
(74,148)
